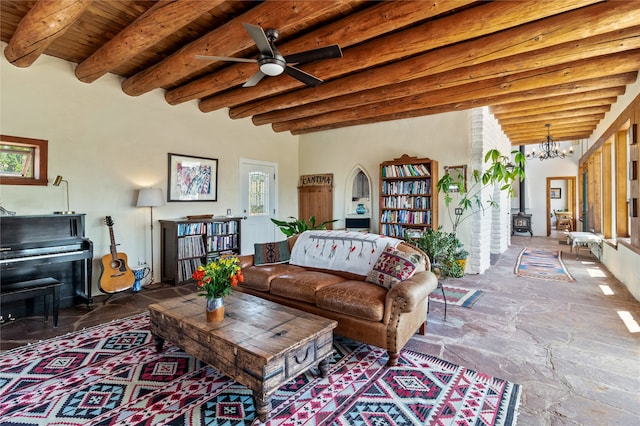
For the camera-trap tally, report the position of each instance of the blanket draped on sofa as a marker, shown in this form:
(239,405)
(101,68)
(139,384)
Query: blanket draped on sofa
(355,252)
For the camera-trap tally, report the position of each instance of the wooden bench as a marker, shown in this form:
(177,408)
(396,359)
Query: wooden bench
(33,288)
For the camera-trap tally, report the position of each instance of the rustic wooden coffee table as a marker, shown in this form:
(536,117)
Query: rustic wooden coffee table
(260,344)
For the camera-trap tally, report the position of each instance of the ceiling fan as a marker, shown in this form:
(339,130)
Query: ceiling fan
(272,63)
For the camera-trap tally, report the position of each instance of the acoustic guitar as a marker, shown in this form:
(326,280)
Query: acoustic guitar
(116,275)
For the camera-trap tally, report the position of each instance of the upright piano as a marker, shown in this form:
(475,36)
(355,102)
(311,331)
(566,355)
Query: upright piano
(40,246)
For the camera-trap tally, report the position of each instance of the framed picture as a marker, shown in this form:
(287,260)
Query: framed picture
(555,192)
(192,178)
(459,176)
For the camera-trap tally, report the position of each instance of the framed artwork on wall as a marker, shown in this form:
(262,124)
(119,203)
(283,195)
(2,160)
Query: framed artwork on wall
(555,192)
(192,178)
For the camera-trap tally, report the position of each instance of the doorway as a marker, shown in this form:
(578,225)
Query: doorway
(561,204)
(258,203)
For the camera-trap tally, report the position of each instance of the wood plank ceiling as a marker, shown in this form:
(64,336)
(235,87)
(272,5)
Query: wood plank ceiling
(534,62)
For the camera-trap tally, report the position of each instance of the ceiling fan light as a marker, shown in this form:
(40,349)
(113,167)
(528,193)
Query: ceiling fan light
(271,69)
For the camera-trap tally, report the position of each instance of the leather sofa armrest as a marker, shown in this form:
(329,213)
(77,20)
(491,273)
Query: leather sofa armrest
(245,260)
(412,291)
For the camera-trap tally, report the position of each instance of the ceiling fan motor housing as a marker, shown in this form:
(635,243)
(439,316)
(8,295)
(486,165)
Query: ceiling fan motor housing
(272,65)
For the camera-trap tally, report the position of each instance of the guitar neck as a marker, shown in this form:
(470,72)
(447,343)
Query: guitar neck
(114,252)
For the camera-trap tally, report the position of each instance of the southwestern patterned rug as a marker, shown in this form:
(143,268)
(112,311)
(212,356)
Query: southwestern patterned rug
(543,264)
(111,375)
(456,296)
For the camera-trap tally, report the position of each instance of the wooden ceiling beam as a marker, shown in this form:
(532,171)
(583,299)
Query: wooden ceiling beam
(367,24)
(471,23)
(161,20)
(593,96)
(513,65)
(581,70)
(568,104)
(556,124)
(404,96)
(575,25)
(228,40)
(539,93)
(538,131)
(574,137)
(552,115)
(41,26)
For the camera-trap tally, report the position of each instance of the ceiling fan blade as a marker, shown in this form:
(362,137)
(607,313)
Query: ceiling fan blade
(259,37)
(304,77)
(224,58)
(255,79)
(327,52)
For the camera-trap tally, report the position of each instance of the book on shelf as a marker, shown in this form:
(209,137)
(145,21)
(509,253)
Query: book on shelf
(405,170)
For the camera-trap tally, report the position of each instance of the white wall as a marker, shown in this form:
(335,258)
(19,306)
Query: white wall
(537,172)
(443,137)
(108,145)
(446,138)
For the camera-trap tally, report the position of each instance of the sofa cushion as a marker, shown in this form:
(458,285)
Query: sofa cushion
(393,266)
(271,253)
(303,285)
(357,298)
(260,277)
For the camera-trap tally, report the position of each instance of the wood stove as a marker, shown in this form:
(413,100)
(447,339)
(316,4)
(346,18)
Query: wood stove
(521,222)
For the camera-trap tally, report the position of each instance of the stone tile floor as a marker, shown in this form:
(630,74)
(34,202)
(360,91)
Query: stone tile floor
(577,362)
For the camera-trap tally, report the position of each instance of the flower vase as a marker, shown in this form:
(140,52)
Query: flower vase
(215,309)
(361,209)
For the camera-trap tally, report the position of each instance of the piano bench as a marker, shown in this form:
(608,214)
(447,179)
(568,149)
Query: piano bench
(34,288)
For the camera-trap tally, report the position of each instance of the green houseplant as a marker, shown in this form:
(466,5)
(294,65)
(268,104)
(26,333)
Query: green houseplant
(296,226)
(500,171)
(444,250)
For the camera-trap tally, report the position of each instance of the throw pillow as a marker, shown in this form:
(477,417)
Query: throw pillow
(271,253)
(393,266)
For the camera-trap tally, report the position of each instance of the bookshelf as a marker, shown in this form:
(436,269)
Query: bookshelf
(408,195)
(186,244)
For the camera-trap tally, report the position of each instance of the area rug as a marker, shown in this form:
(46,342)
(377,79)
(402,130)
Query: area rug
(112,375)
(456,296)
(543,264)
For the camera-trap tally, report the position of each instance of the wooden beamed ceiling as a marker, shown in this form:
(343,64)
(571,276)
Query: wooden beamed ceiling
(533,62)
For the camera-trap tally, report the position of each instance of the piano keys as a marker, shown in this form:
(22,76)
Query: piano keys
(40,246)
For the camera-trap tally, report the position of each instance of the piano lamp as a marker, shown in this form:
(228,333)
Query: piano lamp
(150,197)
(57,182)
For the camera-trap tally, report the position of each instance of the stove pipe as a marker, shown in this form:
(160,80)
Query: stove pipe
(522,200)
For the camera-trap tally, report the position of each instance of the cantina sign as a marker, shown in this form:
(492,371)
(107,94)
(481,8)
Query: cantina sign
(317,180)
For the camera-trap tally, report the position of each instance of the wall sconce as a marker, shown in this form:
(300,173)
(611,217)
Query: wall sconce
(57,182)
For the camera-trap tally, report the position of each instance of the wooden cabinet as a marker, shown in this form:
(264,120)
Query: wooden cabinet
(408,195)
(187,244)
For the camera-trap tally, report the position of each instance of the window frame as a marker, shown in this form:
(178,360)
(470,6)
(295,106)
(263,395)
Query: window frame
(40,161)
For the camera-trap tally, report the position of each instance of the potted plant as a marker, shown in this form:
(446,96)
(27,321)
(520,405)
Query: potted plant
(444,250)
(296,226)
(500,171)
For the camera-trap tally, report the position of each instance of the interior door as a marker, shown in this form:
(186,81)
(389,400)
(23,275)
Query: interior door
(257,203)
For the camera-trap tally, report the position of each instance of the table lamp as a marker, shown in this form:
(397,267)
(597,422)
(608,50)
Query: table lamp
(57,182)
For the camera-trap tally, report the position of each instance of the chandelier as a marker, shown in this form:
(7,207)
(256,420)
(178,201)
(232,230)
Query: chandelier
(549,148)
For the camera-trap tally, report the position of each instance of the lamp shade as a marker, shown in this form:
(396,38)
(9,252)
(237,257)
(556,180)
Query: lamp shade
(150,197)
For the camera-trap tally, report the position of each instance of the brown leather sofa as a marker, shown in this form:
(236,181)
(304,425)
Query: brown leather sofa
(364,311)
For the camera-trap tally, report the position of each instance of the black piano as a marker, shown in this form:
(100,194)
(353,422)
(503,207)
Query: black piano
(33,247)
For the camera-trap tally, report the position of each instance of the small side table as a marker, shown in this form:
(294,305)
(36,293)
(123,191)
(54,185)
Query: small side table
(435,268)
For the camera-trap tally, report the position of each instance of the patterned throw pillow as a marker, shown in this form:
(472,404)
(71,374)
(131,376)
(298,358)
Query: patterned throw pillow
(271,253)
(393,266)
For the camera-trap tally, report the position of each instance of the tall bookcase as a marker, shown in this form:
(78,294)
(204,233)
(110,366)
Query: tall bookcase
(408,195)
(189,243)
